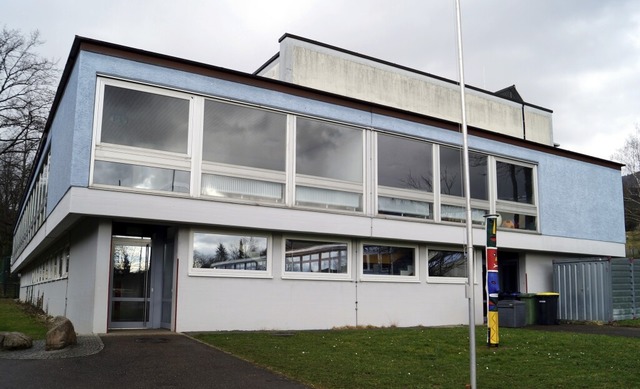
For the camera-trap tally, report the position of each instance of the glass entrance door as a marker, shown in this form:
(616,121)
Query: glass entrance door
(130,282)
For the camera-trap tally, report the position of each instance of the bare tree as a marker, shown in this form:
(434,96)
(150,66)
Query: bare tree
(26,94)
(629,155)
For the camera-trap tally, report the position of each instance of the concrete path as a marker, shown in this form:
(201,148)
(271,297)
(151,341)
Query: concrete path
(159,360)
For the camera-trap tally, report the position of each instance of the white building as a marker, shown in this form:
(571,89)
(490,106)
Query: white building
(324,190)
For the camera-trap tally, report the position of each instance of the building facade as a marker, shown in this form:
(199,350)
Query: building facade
(324,190)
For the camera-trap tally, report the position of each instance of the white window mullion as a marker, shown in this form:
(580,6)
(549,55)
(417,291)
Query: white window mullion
(374,173)
(492,184)
(196,125)
(437,201)
(291,161)
(367,177)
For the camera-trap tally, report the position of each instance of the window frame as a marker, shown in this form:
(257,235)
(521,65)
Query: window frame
(230,273)
(292,275)
(525,209)
(403,193)
(249,173)
(330,184)
(415,278)
(131,155)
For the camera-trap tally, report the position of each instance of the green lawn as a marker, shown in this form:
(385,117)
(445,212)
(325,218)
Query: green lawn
(15,317)
(439,358)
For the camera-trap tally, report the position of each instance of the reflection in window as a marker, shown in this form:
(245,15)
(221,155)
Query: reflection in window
(229,251)
(328,150)
(388,260)
(518,221)
(244,136)
(515,182)
(140,177)
(402,207)
(447,263)
(315,257)
(405,163)
(131,262)
(453,213)
(329,199)
(147,120)
(240,188)
(452,176)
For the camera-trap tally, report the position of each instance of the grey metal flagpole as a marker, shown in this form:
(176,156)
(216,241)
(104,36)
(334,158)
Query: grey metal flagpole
(469,227)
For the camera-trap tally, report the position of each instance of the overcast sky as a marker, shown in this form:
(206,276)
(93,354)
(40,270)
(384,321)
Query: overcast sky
(579,58)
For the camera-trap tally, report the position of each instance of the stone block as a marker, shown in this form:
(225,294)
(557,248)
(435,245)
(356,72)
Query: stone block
(61,334)
(15,341)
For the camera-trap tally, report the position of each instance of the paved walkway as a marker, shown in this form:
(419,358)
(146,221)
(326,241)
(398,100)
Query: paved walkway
(158,360)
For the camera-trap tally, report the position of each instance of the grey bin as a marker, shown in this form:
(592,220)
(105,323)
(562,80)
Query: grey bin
(512,313)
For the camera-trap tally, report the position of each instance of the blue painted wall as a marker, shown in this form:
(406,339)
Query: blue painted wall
(61,134)
(576,199)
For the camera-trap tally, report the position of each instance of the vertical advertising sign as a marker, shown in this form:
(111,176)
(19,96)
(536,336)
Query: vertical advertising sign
(493,285)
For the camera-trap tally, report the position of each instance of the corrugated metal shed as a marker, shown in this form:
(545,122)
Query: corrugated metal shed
(597,289)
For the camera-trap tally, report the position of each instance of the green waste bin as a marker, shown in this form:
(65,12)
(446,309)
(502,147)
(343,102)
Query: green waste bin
(547,307)
(529,299)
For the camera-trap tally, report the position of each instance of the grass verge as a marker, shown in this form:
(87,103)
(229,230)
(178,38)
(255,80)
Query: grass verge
(439,358)
(22,318)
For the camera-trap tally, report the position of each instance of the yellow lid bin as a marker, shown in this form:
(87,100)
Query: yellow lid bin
(547,307)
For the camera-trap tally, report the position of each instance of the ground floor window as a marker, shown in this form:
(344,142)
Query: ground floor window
(447,264)
(230,254)
(382,261)
(316,257)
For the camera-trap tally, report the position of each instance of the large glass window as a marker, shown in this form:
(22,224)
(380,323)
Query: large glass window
(452,175)
(310,256)
(142,119)
(140,177)
(515,182)
(223,253)
(244,136)
(405,163)
(328,150)
(447,263)
(405,177)
(329,165)
(388,260)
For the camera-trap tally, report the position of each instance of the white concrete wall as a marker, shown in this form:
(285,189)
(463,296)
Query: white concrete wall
(319,67)
(539,272)
(538,125)
(52,293)
(219,303)
(87,304)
